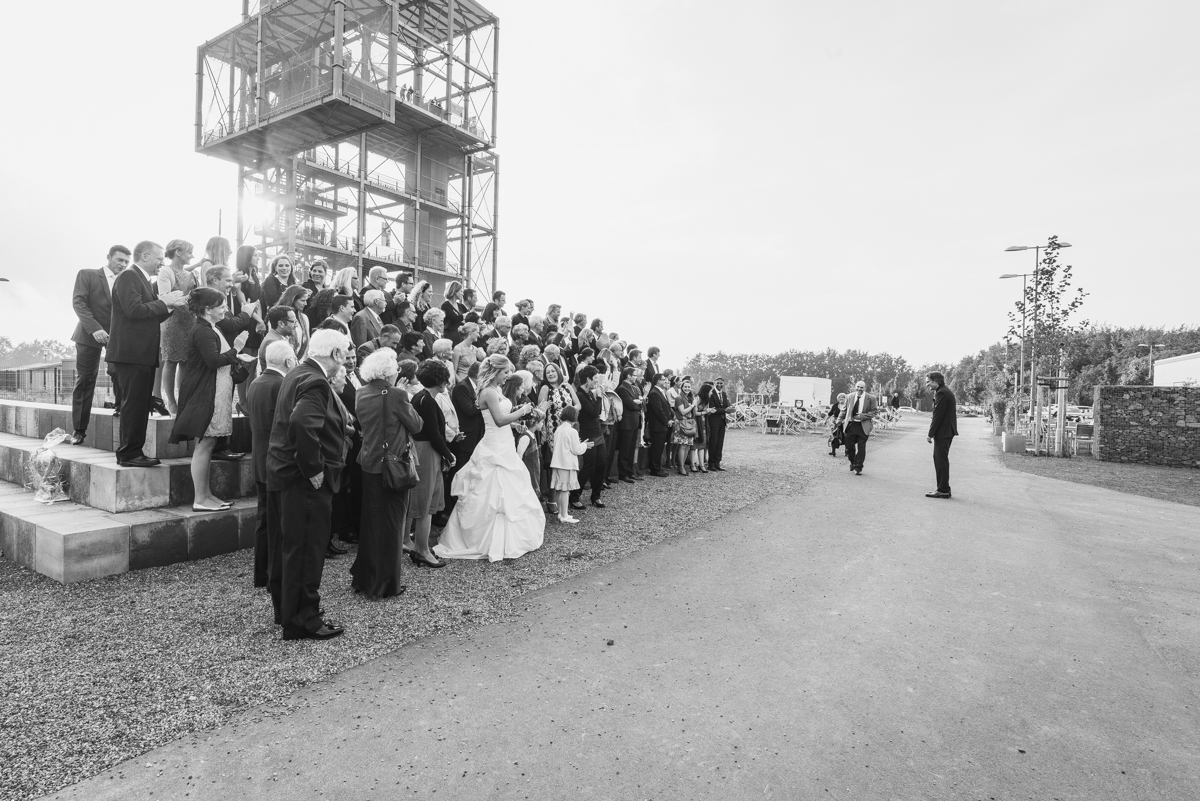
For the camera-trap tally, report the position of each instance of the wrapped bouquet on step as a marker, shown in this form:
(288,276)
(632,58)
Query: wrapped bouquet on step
(45,470)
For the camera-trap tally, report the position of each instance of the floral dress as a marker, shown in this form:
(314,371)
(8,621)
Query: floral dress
(177,329)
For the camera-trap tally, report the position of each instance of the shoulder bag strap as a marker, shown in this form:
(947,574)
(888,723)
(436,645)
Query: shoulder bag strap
(385,417)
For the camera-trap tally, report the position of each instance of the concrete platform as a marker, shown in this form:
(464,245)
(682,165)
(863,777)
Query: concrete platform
(94,478)
(72,542)
(36,420)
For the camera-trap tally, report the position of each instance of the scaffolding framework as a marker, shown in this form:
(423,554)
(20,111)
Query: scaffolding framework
(364,132)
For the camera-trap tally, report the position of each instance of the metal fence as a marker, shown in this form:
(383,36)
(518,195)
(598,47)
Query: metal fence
(50,385)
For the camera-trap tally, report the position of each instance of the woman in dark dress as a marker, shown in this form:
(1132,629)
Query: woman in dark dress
(422,301)
(835,431)
(456,312)
(433,456)
(386,416)
(213,366)
(279,279)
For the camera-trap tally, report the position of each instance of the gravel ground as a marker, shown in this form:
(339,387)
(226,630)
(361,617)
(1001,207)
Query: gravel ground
(95,673)
(1178,484)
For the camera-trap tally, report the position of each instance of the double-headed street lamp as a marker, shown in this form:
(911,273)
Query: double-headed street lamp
(1151,346)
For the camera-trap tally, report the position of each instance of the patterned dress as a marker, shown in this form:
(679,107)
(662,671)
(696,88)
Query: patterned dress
(177,329)
(221,424)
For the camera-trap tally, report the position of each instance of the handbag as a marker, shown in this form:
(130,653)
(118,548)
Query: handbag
(399,469)
(687,425)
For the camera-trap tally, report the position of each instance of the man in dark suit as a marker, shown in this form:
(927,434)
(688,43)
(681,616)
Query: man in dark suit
(857,420)
(943,428)
(133,347)
(658,423)
(470,425)
(92,301)
(651,365)
(629,427)
(717,423)
(279,358)
(304,465)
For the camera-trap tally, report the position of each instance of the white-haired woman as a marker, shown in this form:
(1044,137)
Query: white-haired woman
(434,320)
(422,301)
(455,310)
(387,418)
(465,353)
(498,515)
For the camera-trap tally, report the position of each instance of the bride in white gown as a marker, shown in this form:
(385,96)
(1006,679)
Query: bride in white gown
(497,516)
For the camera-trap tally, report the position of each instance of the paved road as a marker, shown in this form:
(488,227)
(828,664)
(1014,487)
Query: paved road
(1028,639)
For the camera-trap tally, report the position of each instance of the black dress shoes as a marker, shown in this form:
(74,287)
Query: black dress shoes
(327,632)
(936,494)
(139,461)
(627,480)
(77,438)
(599,504)
(334,549)
(658,474)
(577,505)
(639,478)
(719,469)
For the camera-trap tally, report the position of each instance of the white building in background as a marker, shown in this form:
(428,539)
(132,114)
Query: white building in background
(1178,371)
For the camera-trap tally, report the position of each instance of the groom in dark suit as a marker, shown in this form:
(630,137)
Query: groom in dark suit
(717,422)
(470,424)
(133,347)
(943,428)
(92,301)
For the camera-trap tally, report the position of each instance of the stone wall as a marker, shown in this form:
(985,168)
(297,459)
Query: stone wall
(1148,425)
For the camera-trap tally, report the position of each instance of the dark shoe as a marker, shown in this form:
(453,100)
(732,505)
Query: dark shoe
(139,461)
(349,537)
(419,560)
(599,504)
(326,632)
(77,438)
(627,481)
(937,494)
(658,474)
(335,550)
(227,456)
(639,478)
(703,469)
(577,505)
(719,469)
(609,485)
(158,407)
(682,472)
(109,405)
(858,471)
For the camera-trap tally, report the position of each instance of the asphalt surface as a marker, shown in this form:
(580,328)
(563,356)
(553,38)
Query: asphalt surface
(1028,639)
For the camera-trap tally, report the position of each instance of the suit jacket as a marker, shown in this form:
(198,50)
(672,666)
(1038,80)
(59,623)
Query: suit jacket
(136,315)
(658,412)
(364,327)
(470,419)
(719,402)
(870,409)
(261,398)
(92,301)
(383,419)
(631,417)
(308,433)
(945,414)
(651,371)
(366,349)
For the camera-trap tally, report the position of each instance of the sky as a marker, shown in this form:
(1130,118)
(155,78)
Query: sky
(753,177)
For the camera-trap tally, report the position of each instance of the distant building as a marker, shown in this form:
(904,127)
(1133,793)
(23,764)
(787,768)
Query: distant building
(1177,371)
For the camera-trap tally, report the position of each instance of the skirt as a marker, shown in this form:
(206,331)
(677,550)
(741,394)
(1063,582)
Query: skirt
(376,568)
(221,424)
(563,480)
(429,495)
(680,438)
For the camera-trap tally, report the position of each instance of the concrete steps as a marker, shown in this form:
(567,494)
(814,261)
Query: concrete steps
(72,542)
(36,420)
(94,478)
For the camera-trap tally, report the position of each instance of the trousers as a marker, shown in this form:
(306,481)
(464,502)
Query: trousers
(856,445)
(593,467)
(941,462)
(304,536)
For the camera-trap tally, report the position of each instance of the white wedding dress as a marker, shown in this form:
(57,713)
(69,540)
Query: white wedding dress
(497,516)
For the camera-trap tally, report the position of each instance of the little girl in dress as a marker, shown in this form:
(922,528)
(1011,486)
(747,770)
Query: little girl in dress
(564,465)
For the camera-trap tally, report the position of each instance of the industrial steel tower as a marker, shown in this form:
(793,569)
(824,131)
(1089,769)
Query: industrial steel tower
(363,131)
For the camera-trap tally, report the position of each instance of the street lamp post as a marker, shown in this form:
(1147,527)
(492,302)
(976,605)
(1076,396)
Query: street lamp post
(1151,347)
(1021,371)
(1035,397)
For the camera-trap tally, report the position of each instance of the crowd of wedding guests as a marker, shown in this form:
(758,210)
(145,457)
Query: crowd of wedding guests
(418,430)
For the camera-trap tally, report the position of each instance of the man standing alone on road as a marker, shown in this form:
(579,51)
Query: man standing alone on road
(942,431)
(857,418)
